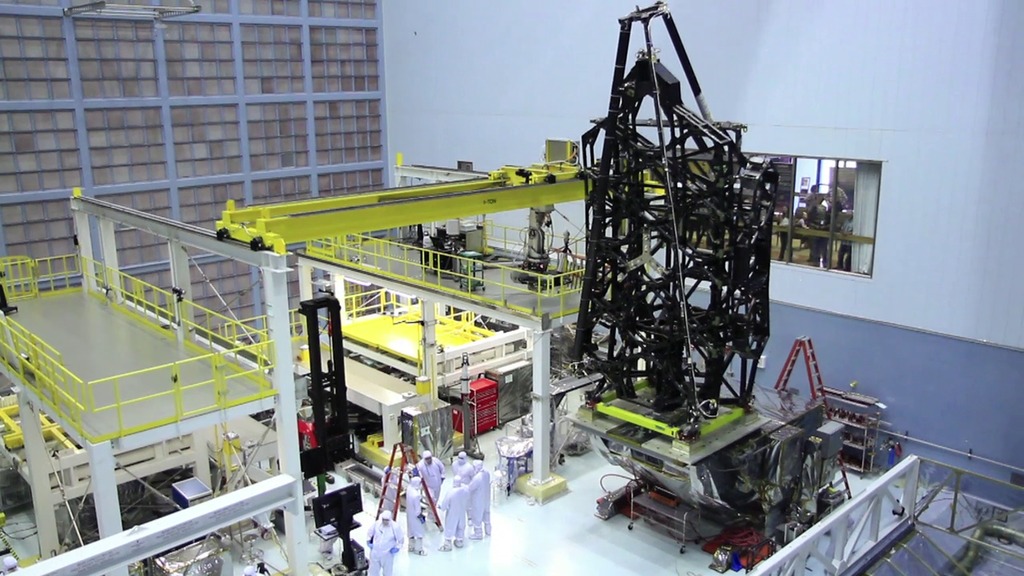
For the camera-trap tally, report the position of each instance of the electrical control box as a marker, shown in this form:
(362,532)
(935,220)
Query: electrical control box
(831,435)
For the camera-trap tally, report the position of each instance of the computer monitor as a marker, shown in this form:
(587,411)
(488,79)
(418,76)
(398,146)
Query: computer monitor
(338,507)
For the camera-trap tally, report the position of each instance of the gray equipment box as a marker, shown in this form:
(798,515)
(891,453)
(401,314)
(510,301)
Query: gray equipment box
(831,435)
(515,385)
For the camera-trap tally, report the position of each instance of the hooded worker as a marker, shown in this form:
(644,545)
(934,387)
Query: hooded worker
(480,495)
(432,471)
(384,539)
(415,520)
(454,503)
(462,466)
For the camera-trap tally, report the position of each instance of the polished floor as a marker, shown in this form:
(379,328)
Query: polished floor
(562,537)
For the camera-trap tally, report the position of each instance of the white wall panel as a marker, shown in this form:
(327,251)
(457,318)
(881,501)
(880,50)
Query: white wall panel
(931,88)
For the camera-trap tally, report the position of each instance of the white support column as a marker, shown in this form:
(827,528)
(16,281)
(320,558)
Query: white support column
(108,245)
(429,346)
(275,293)
(181,277)
(542,485)
(541,406)
(84,234)
(305,282)
(103,467)
(202,457)
(39,473)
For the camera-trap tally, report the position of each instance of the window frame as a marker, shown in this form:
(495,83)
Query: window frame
(795,199)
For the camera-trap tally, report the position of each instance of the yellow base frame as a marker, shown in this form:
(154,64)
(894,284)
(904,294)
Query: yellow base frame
(375,454)
(725,417)
(555,486)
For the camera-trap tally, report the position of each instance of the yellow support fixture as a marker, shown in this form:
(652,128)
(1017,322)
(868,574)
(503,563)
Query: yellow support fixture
(14,438)
(275,226)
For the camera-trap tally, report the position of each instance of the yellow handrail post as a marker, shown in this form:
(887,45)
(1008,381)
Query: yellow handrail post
(179,404)
(219,384)
(117,405)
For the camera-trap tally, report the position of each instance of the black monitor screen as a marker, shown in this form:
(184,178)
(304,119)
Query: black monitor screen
(337,506)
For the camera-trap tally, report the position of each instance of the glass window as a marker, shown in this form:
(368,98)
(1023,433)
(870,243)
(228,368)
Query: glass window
(825,213)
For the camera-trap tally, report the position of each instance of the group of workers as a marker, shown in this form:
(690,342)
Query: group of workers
(467,502)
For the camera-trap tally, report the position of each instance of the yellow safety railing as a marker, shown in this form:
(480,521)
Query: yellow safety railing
(372,303)
(155,303)
(193,386)
(512,240)
(57,273)
(41,368)
(524,291)
(19,277)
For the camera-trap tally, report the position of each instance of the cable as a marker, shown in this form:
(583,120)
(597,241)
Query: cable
(670,189)
(632,480)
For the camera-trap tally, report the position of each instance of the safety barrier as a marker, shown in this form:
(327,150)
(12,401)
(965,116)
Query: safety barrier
(512,240)
(25,277)
(504,286)
(197,385)
(41,368)
(229,370)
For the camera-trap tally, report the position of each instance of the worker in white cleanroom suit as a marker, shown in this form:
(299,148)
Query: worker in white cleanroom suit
(462,466)
(480,493)
(432,471)
(415,519)
(384,539)
(454,503)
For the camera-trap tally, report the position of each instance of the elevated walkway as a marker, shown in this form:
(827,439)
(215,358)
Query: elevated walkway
(496,286)
(126,359)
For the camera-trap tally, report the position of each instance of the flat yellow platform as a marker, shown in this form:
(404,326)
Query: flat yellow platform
(401,335)
(122,375)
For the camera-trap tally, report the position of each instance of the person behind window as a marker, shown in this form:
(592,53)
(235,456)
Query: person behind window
(846,246)
(784,239)
(819,218)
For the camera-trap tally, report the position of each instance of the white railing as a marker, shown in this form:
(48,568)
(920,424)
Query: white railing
(854,530)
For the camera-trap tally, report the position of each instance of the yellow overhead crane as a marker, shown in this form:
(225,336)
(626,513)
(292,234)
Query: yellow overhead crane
(275,226)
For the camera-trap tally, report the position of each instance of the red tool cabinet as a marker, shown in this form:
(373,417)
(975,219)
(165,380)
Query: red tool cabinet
(483,401)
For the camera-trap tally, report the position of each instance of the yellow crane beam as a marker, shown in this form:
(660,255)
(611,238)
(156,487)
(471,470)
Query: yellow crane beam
(275,226)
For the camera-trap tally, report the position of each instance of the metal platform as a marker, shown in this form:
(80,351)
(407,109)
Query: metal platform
(494,285)
(401,335)
(132,375)
(660,446)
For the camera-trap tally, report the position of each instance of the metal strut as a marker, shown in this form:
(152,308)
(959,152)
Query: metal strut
(708,225)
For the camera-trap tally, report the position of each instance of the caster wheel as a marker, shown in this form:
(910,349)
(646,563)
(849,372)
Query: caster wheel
(630,527)
(682,549)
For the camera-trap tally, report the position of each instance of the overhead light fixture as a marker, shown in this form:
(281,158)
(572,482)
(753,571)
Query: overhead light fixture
(357,282)
(102,8)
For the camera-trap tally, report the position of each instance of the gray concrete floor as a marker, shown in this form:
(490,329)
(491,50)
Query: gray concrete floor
(97,341)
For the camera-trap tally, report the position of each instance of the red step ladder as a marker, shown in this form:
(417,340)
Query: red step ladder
(817,384)
(394,480)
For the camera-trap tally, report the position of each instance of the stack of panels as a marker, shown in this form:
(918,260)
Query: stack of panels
(483,398)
